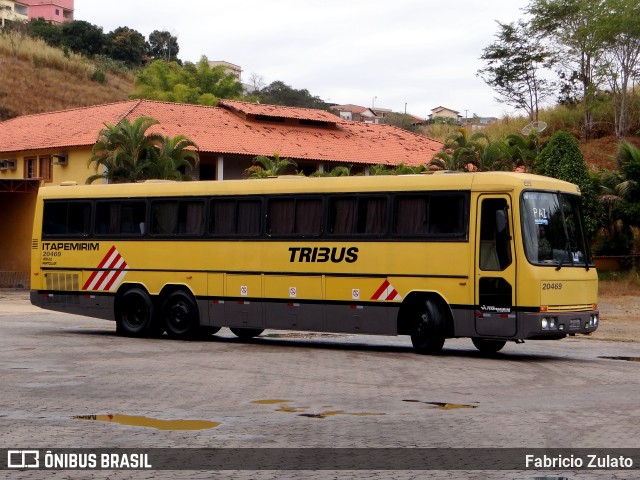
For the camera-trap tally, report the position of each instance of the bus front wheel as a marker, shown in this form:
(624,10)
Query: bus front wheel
(428,329)
(180,315)
(486,345)
(246,333)
(134,313)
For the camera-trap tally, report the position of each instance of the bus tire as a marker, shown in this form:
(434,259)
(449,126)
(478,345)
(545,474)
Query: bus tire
(135,313)
(246,333)
(428,332)
(486,345)
(180,315)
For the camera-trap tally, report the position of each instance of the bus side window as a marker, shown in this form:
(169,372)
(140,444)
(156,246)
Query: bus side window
(235,217)
(295,216)
(342,216)
(222,217)
(358,215)
(66,218)
(410,215)
(191,217)
(372,216)
(495,247)
(446,214)
(120,217)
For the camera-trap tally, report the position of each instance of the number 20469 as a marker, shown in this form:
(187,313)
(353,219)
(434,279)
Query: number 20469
(552,286)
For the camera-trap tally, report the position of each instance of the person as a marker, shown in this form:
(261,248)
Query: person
(545,252)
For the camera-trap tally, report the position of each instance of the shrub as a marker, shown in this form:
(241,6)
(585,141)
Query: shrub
(561,158)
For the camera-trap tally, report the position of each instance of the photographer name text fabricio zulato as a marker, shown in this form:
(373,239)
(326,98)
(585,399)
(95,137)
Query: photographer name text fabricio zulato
(573,461)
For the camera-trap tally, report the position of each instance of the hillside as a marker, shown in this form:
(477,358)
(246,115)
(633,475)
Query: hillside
(41,79)
(38,78)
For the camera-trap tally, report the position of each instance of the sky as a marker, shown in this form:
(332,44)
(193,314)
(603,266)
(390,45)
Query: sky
(418,54)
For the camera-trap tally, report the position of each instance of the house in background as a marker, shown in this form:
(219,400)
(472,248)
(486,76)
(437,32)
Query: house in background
(51,148)
(445,114)
(56,12)
(11,11)
(229,67)
(356,113)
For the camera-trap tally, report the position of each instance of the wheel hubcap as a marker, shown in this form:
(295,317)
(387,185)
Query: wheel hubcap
(179,316)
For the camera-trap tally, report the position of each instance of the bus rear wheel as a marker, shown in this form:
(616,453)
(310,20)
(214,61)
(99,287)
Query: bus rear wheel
(486,345)
(428,329)
(180,315)
(246,333)
(135,314)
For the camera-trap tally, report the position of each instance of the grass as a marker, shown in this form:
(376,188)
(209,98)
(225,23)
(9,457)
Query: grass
(612,284)
(44,79)
(41,55)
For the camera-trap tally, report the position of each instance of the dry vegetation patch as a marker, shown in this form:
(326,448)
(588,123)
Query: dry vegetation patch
(43,79)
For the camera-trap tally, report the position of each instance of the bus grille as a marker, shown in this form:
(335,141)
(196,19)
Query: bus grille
(570,308)
(62,281)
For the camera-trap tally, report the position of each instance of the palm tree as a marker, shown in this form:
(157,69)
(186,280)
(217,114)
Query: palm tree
(399,169)
(472,153)
(522,151)
(339,171)
(620,197)
(172,159)
(264,166)
(123,150)
(446,160)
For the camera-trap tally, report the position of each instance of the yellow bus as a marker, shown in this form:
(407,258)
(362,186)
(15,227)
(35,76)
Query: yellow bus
(493,256)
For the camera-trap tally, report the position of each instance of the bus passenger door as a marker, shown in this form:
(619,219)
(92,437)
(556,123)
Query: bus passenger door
(495,291)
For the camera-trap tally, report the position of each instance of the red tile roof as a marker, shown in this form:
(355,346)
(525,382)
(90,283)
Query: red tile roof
(279,111)
(230,128)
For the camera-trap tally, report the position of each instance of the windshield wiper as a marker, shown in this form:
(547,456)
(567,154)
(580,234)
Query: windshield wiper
(567,251)
(567,245)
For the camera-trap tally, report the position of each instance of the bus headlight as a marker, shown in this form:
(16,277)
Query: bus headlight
(545,324)
(552,324)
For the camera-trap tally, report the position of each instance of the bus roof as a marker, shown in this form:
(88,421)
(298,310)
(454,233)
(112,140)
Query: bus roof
(476,181)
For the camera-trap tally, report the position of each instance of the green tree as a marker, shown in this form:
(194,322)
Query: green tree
(49,32)
(264,167)
(124,150)
(198,84)
(569,25)
(522,151)
(472,152)
(279,93)
(561,158)
(126,45)
(173,158)
(628,189)
(447,160)
(620,33)
(82,37)
(163,46)
(339,171)
(401,120)
(400,169)
(513,68)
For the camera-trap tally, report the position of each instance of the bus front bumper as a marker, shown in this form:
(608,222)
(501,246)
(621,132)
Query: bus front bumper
(550,325)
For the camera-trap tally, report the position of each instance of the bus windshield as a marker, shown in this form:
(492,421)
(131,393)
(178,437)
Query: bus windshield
(553,230)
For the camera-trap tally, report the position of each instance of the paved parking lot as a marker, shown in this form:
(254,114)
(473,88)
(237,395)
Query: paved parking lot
(287,389)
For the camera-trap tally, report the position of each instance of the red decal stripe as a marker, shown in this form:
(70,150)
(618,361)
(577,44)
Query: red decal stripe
(95,272)
(380,290)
